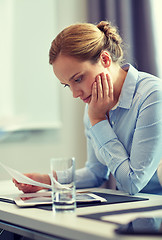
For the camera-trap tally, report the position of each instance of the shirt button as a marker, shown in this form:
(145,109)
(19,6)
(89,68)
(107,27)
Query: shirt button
(113,123)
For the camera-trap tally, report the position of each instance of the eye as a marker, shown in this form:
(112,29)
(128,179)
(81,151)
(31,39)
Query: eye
(79,79)
(66,85)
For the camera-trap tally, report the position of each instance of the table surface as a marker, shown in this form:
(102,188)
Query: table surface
(48,225)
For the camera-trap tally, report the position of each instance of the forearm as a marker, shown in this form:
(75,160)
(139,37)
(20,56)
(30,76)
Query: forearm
(85,178)
(133,169)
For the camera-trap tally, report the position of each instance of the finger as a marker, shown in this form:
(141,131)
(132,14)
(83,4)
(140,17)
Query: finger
(105,85)
(110,85)
(99,88)
(94,92)
(20,186)
(14,181)
(17,184)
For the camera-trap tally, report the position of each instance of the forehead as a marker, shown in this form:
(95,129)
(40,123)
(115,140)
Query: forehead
(65,67)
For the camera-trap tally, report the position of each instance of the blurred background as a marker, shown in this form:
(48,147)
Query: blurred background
(39,119)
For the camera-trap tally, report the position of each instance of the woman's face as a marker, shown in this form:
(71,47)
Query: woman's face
(78,76)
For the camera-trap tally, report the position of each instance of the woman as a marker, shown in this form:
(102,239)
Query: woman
(123,112)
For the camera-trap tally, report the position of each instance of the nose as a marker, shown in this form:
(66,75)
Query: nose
(76,92)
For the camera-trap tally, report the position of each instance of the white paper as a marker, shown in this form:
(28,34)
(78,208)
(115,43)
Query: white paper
(21,178)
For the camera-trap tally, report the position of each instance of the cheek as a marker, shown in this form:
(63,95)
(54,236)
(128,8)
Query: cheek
(88,86)
(90,81)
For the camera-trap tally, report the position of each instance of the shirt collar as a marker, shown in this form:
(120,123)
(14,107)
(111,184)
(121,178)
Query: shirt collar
(128,89)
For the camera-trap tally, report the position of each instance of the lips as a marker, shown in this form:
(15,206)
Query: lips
(86,100)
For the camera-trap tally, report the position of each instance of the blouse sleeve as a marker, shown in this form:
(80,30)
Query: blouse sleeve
(133,170)
(95,172)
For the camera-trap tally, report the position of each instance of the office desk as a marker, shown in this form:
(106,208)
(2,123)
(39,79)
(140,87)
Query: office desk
(44,225)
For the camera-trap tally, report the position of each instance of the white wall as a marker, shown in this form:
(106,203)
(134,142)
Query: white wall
(32,152)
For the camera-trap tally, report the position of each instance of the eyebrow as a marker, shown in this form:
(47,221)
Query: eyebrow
(71,78)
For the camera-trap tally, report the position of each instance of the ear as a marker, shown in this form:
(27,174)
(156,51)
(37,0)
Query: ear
(105,59)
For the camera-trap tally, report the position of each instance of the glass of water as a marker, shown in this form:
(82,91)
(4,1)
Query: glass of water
(63,184)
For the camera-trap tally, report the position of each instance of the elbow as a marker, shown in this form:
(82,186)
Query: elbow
(130,188)
(133,191)
(129,183)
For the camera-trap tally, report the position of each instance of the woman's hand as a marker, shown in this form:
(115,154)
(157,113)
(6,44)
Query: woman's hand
(102,98)
(26,188)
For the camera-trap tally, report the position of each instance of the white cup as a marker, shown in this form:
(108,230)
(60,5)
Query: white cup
(63,184)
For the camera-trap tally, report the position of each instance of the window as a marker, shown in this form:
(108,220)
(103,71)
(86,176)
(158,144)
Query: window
(29,96)
(156,6)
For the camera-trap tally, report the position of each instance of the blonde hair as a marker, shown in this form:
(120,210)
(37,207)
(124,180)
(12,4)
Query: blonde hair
(86,41)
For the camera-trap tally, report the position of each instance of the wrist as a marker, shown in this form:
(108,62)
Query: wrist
(95,121)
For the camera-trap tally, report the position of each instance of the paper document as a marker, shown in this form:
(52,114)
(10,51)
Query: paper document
(21,178)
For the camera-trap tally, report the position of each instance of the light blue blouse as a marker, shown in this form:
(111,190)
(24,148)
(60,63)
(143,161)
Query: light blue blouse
(129,145)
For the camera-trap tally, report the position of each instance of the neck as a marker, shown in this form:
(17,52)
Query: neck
(118,76)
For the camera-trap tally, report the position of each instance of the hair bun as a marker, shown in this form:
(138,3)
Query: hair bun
(109,31)
(104,27)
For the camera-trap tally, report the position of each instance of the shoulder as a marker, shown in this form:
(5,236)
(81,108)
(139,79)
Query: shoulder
(149,92)
(147,84)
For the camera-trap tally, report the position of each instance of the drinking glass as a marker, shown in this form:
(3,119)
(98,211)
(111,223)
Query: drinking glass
(63,184)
